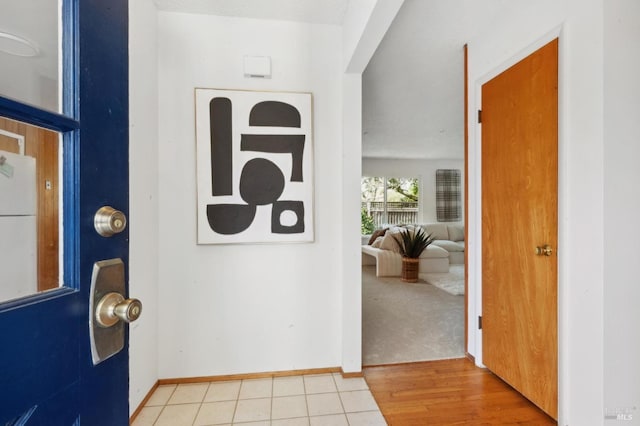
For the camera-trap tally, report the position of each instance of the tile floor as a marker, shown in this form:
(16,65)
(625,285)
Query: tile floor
(309,400)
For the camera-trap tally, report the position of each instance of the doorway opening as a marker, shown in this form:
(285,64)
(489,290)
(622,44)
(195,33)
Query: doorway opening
(413,112)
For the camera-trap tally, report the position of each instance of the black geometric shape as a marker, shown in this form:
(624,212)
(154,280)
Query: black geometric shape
(274,113)
(278,144)
(261,182)
(297,207)
(229,219)
(221,139)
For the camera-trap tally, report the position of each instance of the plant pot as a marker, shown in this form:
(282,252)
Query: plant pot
(410,268)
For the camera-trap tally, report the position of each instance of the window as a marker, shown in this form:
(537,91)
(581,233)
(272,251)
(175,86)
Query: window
(388,201)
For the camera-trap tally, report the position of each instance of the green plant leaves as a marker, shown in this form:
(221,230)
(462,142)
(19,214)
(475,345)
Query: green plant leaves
(413,242)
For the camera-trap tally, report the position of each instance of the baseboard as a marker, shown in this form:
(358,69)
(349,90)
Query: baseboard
(410,363)
(351,375)
(202,379)
(136,413)
(470,357)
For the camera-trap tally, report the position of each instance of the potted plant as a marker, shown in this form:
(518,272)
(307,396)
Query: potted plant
(412,243)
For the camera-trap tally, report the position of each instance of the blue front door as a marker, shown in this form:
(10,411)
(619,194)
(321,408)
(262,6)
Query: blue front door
(47,376)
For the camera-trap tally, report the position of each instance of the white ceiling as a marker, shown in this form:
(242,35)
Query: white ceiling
(413,91)
(312,11)
(30,79)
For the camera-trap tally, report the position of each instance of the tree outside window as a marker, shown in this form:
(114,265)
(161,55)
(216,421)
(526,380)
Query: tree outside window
(388,201)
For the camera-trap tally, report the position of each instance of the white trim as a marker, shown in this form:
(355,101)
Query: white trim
(563,231)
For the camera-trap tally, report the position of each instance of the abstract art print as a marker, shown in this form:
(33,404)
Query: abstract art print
(254,166)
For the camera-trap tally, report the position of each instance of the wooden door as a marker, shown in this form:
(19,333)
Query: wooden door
(47,376)
(519,213)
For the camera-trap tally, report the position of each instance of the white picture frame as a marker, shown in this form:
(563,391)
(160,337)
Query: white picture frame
(254,166)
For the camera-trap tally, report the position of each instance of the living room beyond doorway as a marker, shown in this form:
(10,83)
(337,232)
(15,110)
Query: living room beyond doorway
(409,322)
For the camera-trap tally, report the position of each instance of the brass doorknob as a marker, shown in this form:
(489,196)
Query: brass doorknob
(113,307)
(545,250)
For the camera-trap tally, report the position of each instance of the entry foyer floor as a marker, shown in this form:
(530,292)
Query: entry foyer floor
(448,392)
(310,400)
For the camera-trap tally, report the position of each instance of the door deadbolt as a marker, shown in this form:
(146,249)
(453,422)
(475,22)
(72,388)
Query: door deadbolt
(113,307)
(545,250)
(109,221)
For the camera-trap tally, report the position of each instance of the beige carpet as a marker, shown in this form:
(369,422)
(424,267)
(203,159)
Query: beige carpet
(404,322)
(452,282)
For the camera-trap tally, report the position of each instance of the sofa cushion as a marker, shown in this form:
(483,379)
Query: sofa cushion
(377,242)
(434,252)
(389,242)
(437,231)
(456,232)
(377,233)
(450,246)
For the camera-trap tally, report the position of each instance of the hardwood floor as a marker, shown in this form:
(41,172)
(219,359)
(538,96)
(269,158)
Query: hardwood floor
(449,392)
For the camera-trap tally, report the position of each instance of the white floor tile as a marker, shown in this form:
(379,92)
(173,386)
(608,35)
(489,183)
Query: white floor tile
(300,421)
(321,383)
(215,413)
(188,393)
(223,391)
(358,401)
(288,386)
(286,407)
(279,401)
(251,410)
(147,416)
(366,418)
(352,384)
(178,415)
(256,388)
(332,420)
(161,395)
(324,403)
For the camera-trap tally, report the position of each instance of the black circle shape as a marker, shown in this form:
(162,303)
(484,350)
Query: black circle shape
(261,182)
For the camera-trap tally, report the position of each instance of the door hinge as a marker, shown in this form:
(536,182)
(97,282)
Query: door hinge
(480,323)
(479,116)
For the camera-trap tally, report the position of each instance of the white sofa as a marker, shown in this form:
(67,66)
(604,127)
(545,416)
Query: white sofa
(447,248)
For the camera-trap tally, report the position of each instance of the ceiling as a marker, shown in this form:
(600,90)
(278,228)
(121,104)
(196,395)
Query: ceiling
(29,51)
(312,11)
(413,88)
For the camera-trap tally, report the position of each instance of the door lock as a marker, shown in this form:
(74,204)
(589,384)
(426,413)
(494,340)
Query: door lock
(113,307)
(109,221)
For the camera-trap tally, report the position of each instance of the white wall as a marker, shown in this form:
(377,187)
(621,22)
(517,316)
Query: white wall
(581,184)
(365,24)
(246,308)
(355,21)
(423,169)
(143,197)
(350,221)
(621,206)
